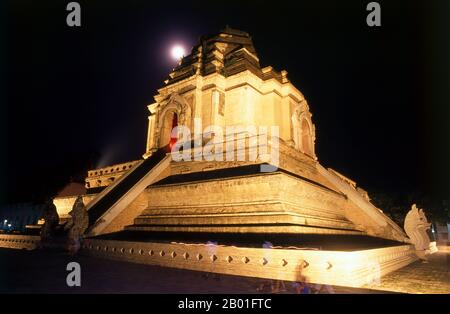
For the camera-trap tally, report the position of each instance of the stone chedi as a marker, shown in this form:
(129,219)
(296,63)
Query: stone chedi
(221,83)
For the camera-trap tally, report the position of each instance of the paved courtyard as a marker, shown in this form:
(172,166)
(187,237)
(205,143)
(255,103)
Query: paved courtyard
(45,272)
(420,277)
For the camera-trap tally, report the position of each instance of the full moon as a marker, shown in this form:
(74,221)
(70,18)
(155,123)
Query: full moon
(177,52)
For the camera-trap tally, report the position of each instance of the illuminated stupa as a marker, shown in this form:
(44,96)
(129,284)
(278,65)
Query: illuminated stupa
(158,211)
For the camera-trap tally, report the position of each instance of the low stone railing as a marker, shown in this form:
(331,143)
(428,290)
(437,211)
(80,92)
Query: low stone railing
(112,169)
(354,269)
(105,176)
(15,241)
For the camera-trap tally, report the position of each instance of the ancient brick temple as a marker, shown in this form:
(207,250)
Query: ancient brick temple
(137,204)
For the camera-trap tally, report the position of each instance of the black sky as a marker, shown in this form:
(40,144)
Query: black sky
(76,98)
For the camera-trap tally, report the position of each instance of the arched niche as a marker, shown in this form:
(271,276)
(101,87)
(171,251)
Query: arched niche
(169,121)
(306,138)
(303,130)
(173,112)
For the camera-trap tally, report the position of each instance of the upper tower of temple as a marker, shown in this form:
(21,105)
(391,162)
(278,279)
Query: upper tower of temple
(222,83)
(227,53)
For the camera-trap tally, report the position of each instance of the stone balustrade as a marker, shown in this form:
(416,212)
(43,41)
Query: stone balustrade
(353,268)
(105,176)
(15,241)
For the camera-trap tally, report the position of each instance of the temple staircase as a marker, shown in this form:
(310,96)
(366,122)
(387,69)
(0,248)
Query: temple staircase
(116,197)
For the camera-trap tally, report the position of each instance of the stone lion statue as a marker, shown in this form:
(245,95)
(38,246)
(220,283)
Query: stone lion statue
(78,225)
(51,221)
(416,226)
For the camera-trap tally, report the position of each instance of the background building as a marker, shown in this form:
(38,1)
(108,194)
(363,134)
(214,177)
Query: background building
(14,217)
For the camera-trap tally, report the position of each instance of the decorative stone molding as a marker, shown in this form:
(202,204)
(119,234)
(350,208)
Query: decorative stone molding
(13,241)
(353,269)
(103,177)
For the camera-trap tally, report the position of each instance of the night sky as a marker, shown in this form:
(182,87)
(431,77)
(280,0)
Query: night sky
(75,98)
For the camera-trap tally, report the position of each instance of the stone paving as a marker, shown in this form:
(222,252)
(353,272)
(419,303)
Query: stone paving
(420,277)
(45,272)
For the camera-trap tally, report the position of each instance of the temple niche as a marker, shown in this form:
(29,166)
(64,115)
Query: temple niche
(168,122)
(164,117)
